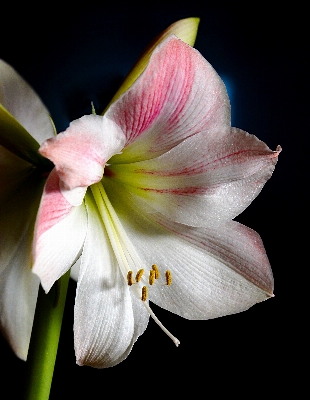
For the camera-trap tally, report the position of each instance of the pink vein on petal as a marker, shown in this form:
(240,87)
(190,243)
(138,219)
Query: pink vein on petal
(163,81)
(260,274)
(178,191)
(201,166)
(53,205)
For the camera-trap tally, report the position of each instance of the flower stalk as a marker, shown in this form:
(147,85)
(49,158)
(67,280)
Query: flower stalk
(44,340)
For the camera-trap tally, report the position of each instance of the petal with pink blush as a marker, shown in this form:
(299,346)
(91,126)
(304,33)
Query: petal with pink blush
(81,152)
(218,270)
(53,207)
(178,95)
(202,178)
(59,234)
(185,29)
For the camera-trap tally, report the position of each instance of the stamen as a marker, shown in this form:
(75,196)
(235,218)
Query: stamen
(152,277)
(144,293)
(168,278)
(139,275)
(129,278)
(155,268)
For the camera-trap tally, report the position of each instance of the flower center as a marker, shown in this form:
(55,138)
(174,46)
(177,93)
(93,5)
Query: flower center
(128,260)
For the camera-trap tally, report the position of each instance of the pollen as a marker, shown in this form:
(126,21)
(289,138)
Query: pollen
(129,278)
(155,268)
(139,275)
(144,293)
(152,276)
(168,278)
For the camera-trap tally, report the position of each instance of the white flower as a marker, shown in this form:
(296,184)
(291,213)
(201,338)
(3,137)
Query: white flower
(150,187)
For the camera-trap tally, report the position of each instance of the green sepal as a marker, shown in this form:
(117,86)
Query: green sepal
(185,29)
(14,137)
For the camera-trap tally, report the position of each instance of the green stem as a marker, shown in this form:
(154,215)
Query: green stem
(44,340)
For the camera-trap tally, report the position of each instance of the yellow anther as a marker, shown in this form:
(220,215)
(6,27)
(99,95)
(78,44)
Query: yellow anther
(139,275)
(129,278)
(155,268)
(152,277)
(144,293)
(168,278)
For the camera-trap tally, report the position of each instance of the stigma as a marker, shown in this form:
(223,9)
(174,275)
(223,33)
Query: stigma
(153,278)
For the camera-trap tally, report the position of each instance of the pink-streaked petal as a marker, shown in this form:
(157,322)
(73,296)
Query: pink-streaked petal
(18,285)
(202,179)
(59,234)
(185,29)
(218,270)
(106,319)
(24,104)
(81,152)
(54,207)
(235,245)
(178,95)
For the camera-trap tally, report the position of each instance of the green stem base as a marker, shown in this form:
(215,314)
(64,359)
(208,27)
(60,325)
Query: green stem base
(44,340)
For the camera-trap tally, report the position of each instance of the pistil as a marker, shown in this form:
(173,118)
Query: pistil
(173,338)
(124,250)
(144,296)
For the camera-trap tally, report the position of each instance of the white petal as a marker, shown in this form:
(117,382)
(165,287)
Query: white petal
(59,234)
(219,270)
(75,270)
(202,179)
(24,104)
(19,290)
(107,320)
(18,285)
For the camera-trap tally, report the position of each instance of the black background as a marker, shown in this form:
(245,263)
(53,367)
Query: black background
(77,55)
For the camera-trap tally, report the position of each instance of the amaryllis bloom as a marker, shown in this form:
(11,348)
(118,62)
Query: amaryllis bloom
(24,125)
(143,199)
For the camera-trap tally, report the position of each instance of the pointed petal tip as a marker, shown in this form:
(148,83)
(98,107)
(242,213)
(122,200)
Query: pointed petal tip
(78,362)
(46,284)
(18,347)
(185,29)
(22,356)
(269,294)
(278,150)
